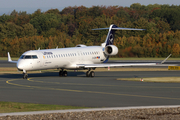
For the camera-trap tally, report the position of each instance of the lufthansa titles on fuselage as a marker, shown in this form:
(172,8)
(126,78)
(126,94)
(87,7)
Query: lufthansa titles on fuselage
(47,53)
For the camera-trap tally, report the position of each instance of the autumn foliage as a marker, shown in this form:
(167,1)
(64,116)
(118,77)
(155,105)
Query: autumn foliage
(20,31)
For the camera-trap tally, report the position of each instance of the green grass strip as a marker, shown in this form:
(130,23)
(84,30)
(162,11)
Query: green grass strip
(6,58)
(8,107)
(157,79)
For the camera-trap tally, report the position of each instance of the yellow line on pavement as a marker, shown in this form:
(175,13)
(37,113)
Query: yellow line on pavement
(81,91)
(69,83)
(10,82)
(99,84)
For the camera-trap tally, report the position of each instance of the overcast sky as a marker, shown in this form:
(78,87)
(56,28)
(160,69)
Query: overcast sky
(32,5)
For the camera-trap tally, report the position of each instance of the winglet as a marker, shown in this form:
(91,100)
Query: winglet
(9,57)
(165,59)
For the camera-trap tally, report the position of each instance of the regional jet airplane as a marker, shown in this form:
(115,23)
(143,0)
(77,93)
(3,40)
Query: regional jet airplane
(80,57)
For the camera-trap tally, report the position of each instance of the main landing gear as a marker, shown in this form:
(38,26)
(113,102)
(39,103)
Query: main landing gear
(90,73)
(62,73)
(25,75)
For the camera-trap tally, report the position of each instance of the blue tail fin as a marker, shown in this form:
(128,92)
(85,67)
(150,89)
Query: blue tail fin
(110,35)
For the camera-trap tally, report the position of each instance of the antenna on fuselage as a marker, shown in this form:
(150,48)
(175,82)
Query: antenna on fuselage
(57,47)
(39,48)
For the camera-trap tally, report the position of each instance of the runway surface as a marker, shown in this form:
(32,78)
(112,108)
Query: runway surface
(5,63)
(101,91)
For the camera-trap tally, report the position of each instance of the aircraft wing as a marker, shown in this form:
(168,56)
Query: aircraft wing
(9,59)
(12,61)
(104,65)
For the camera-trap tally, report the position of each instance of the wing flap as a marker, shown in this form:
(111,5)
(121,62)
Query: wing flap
(114,65)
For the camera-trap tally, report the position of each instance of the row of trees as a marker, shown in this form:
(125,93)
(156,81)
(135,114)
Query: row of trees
(20,31)
(151,45)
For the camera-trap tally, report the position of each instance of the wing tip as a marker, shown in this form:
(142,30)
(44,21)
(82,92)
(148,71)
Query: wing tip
(9,57)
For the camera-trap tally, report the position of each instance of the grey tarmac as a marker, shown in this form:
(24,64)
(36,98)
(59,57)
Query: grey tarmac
(101,91)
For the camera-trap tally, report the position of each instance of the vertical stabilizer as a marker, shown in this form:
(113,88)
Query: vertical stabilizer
(110,35)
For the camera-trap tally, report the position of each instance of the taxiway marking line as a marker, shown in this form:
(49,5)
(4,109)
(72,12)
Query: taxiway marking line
(80,91)
(99,84)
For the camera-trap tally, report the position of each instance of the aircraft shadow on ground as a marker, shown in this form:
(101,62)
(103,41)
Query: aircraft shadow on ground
(44,74)
(118,74)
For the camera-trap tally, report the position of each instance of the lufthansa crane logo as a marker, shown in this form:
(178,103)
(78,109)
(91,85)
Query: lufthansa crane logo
(111,39)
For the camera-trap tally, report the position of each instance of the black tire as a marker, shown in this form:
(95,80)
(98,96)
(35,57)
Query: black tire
(65,73)
(60,73)
(87,74)
(92,74)
(25,75)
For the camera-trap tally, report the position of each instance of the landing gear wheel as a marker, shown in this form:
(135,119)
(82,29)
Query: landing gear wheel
(65,73)
(60,73)
(92,74)
(87,74)
(25,75)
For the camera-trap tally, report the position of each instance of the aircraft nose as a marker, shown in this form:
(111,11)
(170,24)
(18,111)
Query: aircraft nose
(19,66)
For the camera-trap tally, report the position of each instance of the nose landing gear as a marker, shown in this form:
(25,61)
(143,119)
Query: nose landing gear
(25,75)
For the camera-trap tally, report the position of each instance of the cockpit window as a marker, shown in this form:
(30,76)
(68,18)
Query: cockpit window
(28,57)
(22,56)
(34,57)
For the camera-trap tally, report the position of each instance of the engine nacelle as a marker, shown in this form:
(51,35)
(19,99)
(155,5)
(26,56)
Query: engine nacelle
(111,50)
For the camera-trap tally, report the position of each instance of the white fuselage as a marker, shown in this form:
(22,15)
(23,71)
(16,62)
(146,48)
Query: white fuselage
(63,58)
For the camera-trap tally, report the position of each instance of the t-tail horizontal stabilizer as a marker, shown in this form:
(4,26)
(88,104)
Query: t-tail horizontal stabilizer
(112,29)
(118,28)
